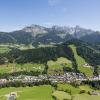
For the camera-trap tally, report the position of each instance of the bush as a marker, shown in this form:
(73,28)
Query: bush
(82,91)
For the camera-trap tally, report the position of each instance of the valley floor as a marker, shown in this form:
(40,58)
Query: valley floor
(47,92)
(29,93)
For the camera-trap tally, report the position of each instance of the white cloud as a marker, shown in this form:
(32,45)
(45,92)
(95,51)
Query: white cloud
(54,2)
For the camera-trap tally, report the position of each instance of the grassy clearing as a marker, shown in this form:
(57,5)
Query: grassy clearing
(25,47)
(60,61)
(57,66)
(46,45)
(29,93)
(31,67)
(6,47)
(98,68)
(7,68)
(80,62)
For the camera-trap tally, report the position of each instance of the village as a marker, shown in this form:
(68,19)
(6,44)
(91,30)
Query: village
(68,77)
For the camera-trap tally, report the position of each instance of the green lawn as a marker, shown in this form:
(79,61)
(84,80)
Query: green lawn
(80,61)
(29,93)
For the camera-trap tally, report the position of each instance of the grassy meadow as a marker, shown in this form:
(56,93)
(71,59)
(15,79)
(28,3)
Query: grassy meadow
(61,95)
(57,66)
(67,92)
(29,93)
(80,61)
(9,68)
(68,88)
(47,92)
(4,49)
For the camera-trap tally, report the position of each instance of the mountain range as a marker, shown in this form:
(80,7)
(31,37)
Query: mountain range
(36,34)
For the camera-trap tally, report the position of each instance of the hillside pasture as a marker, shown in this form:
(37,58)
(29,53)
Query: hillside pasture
(81,62)
(58,65)
(60,95)
(4,49)
(86,97)
(75,92)
(31,67)
(9,68)
(68,88)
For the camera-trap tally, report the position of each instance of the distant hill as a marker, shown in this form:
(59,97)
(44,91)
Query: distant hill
(36,34)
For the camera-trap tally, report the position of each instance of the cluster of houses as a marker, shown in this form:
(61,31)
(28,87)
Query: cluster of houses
(87,65)
(3,81)
(68,77)
(94,93)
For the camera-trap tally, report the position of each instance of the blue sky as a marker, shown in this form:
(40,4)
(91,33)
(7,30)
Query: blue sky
(15,14)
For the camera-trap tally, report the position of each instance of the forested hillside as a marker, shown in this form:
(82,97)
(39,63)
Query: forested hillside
(85,51)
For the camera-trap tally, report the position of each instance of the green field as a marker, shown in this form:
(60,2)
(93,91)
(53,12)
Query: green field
(57,66)
(29,93)
(68,88)
(31,67)
(86,97)
(7,47)
(80,62)
(47,92)
(64,90)
(4,49)
(86,88)
(8,68)
(60,95)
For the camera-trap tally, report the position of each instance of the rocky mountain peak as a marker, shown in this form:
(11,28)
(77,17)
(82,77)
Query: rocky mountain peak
(35,29)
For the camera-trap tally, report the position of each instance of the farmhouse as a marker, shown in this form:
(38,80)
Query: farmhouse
(87,65)
(94,93)
(12,96)
(2,81)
